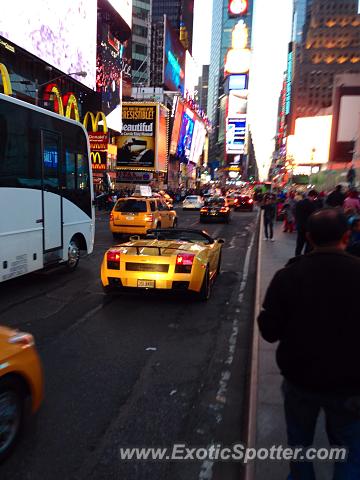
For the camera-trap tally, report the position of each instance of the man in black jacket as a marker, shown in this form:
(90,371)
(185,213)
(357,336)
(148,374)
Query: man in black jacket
(312,307)
(303,210)
(336,197)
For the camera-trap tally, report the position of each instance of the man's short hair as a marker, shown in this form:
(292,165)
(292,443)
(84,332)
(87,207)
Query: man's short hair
(327,227)
(313,193)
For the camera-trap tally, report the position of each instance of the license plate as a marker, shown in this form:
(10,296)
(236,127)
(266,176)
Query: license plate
(129,218)
(213,212)
(146,283)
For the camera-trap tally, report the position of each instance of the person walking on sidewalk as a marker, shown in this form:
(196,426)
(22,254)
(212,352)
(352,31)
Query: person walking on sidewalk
(318,353)
(303,210)
(269,207)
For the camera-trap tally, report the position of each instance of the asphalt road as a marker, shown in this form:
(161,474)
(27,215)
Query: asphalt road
(135,370)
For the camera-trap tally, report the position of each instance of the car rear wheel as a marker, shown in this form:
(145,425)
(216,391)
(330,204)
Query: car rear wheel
(205,291)
(12,409)
(73,255)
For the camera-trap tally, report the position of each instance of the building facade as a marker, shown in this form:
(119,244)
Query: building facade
(141,38)
(328,45)
(223,25)
(180,13)
(203,88)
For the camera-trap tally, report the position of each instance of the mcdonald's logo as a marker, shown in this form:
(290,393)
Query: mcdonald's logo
(98,161)
(71,104)
(52,92)
(95,121)
(5,80)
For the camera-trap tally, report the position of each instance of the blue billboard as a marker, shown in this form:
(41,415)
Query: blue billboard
(174,61)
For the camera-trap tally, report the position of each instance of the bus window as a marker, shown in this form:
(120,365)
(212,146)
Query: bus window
(70,171)
(82,179)
(51,159)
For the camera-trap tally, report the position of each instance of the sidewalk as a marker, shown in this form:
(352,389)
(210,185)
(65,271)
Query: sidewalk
(271,428)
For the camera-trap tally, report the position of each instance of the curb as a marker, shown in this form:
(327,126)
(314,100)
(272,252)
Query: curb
(251,425)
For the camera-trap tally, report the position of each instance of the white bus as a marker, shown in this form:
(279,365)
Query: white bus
(46,194)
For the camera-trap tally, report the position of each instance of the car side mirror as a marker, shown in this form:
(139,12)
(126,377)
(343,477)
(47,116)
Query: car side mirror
(221,241)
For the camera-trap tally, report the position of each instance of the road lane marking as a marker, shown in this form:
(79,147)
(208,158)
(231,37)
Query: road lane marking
(206,470)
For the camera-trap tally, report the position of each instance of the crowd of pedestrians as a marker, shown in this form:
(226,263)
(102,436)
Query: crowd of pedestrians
(311,308)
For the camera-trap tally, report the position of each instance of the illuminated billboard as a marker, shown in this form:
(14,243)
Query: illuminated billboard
(289,75)
(62,34)
(143,143)
(191,75)
(237,104)
(238,7)
(238,57)
(198,142)
(176,128)
(238,82)
(235,135)
(136,144)
(174,61)
(307,146)
(124,8)
(186,135)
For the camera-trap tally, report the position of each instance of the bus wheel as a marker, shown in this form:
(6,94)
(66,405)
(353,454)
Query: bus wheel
(73,255)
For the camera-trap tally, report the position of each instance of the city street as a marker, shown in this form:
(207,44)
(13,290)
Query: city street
(134,370)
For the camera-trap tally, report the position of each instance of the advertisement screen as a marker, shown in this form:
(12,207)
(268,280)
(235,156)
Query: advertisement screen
(235,135)
(162,143)
(238,82)
(174,64)
(237,103)
(176,128)
(186,135)
(62,34)
(124,8)
(198,142)
(136,144)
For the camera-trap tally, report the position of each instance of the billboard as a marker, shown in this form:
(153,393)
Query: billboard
(124,8)
(237,104)
(174,61)
(176,128)
(136,144)
(307,146)
(62,34)
(237,7)
(191,75)
(235,135)
(238,82)
(198,142)
(186,135)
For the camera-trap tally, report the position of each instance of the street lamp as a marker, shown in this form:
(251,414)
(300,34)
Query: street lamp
(38,86)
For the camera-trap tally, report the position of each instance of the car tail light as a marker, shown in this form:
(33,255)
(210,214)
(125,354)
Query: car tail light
(224,209)
(185,259)
(113,259)
(203,210)
(236,200)
(251,200)
(149,217)
(23,339)
(111,217)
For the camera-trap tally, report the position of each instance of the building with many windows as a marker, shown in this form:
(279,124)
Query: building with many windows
(141,39)
(328,45)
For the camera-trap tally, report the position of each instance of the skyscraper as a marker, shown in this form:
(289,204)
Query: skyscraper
(221,41)
(141,37)
(180,13)
(326,44)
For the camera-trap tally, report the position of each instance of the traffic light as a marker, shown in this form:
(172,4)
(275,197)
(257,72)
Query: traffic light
(237,7)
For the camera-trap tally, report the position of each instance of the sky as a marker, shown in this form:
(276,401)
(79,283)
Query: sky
(271,35)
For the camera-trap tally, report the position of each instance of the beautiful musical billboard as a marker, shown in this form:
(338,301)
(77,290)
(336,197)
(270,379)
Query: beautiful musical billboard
(62,34)
(136,144)
(186,135)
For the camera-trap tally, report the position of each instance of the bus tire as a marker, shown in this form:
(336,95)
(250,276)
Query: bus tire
(73,255)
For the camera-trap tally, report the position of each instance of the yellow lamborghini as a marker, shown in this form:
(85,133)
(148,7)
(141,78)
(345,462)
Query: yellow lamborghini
(166,259)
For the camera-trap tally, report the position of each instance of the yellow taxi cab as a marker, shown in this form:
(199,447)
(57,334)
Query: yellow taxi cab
(21,385)
(136,215)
